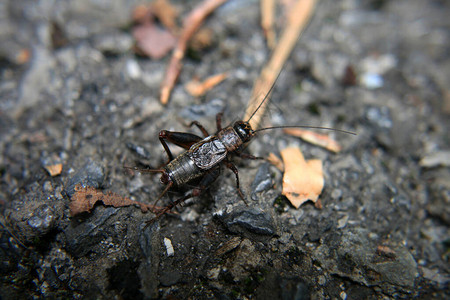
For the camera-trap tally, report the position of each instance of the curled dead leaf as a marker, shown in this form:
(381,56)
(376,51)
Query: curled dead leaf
(302,180)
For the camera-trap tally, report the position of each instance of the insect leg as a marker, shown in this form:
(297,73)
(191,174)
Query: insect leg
(205,182)
(219,121)
(199,126)
(248,156)
(168,186)
(233,168)
(183,139)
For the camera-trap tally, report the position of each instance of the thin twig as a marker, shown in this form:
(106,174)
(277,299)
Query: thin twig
(190,26)
(267,20)
(297,20)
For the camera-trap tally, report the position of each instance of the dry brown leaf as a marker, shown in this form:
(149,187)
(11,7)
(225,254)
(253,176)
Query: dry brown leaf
(166,13)
(54,170)
(276,161)
(141,13)
(197,88)
(302,180)
(84,199)
(152,40)
(314,138)
(202,39)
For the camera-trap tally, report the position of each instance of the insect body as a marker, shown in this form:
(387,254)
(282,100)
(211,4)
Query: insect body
(204,156)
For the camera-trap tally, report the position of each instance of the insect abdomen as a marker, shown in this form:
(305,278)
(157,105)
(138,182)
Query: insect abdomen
(182,169)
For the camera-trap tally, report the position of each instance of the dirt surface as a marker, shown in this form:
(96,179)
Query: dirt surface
(86,101)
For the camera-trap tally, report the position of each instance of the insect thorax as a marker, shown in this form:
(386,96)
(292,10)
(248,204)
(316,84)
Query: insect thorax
(208,152)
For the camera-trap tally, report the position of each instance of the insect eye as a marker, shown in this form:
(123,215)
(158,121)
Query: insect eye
(243,130)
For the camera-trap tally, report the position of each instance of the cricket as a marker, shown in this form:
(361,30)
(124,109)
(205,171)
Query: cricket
(204,156)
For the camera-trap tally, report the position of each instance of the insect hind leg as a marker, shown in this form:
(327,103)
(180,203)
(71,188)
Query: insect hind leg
(182,139)
(205,182)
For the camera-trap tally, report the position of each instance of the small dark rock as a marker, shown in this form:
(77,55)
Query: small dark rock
(34,214)
(379,116)
(209,109)
(262,181)
(170,278)
(56,269)
(139,150)
(86,237)
(42,219)
(252,220)
(354,255)
(294,289)
(91,174)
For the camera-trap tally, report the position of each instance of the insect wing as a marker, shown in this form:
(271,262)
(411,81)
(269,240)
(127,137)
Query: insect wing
(208,153)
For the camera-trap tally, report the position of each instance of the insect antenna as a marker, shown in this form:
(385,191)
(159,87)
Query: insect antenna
(265,97)
(144,170)
(289,126)
(301,126)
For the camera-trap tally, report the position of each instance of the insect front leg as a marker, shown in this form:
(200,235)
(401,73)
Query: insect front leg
(219,121)
(233,168)
(205,182)
(199,126)
(248,156)
(182,139)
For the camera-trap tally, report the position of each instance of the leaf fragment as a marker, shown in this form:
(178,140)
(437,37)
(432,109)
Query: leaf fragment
(54,170)
(85,198)
(153,41)
(276,161)
(166,13)
(198,88)
(302,180)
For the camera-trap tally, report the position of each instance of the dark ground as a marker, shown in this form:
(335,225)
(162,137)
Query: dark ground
(384,228)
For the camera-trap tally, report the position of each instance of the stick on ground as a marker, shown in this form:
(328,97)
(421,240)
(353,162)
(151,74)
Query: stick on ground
(297,20)
(190,26)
